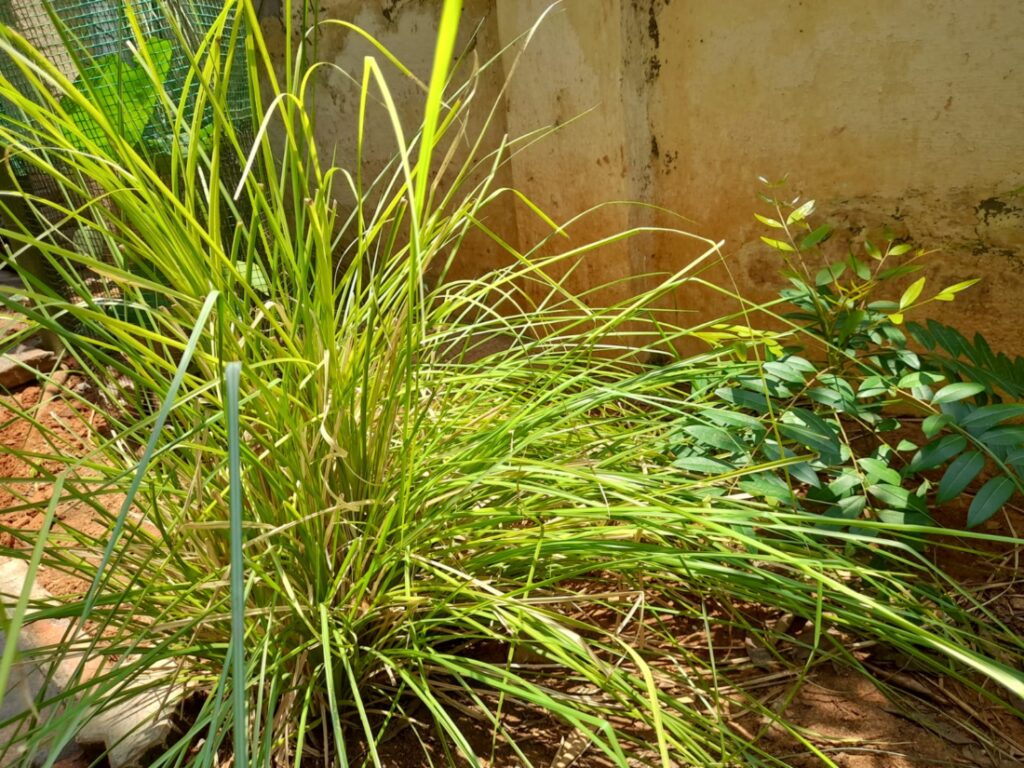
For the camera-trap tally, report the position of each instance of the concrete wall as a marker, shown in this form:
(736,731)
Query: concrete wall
(900,113)
(904,114)
(407,28)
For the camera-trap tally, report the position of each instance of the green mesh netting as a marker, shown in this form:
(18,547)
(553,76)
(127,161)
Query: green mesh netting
(95,44)
(92,42)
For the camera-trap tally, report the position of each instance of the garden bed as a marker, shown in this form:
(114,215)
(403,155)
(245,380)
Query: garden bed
(925,720)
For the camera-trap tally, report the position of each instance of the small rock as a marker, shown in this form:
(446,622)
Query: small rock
(11,325)
(24,688)
(27,683)
(131,730)
(23,365)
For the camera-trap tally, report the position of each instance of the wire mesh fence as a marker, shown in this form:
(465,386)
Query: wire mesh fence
(140,63)
(96,44)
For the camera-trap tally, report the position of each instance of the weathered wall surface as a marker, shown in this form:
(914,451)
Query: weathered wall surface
(904,114)
(578,71)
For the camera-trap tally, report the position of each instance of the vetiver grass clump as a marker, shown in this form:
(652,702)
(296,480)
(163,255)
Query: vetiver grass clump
(402,507)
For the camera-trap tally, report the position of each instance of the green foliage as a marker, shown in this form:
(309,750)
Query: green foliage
(134,86)
(960,359)
(829,410)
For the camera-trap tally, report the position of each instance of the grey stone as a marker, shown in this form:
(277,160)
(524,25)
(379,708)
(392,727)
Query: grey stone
(130,729)
(24,364)
(27,684)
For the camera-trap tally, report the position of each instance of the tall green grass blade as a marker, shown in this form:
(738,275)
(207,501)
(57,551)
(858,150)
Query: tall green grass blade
(333,713)
(239,677)
(14,620)
(143,464)
(444,46)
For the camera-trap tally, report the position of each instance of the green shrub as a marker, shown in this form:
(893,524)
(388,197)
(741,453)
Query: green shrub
(818,422)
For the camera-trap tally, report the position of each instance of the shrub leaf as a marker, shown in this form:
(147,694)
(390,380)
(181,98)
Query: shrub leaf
(957,391)
(959,475)
(989,500)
